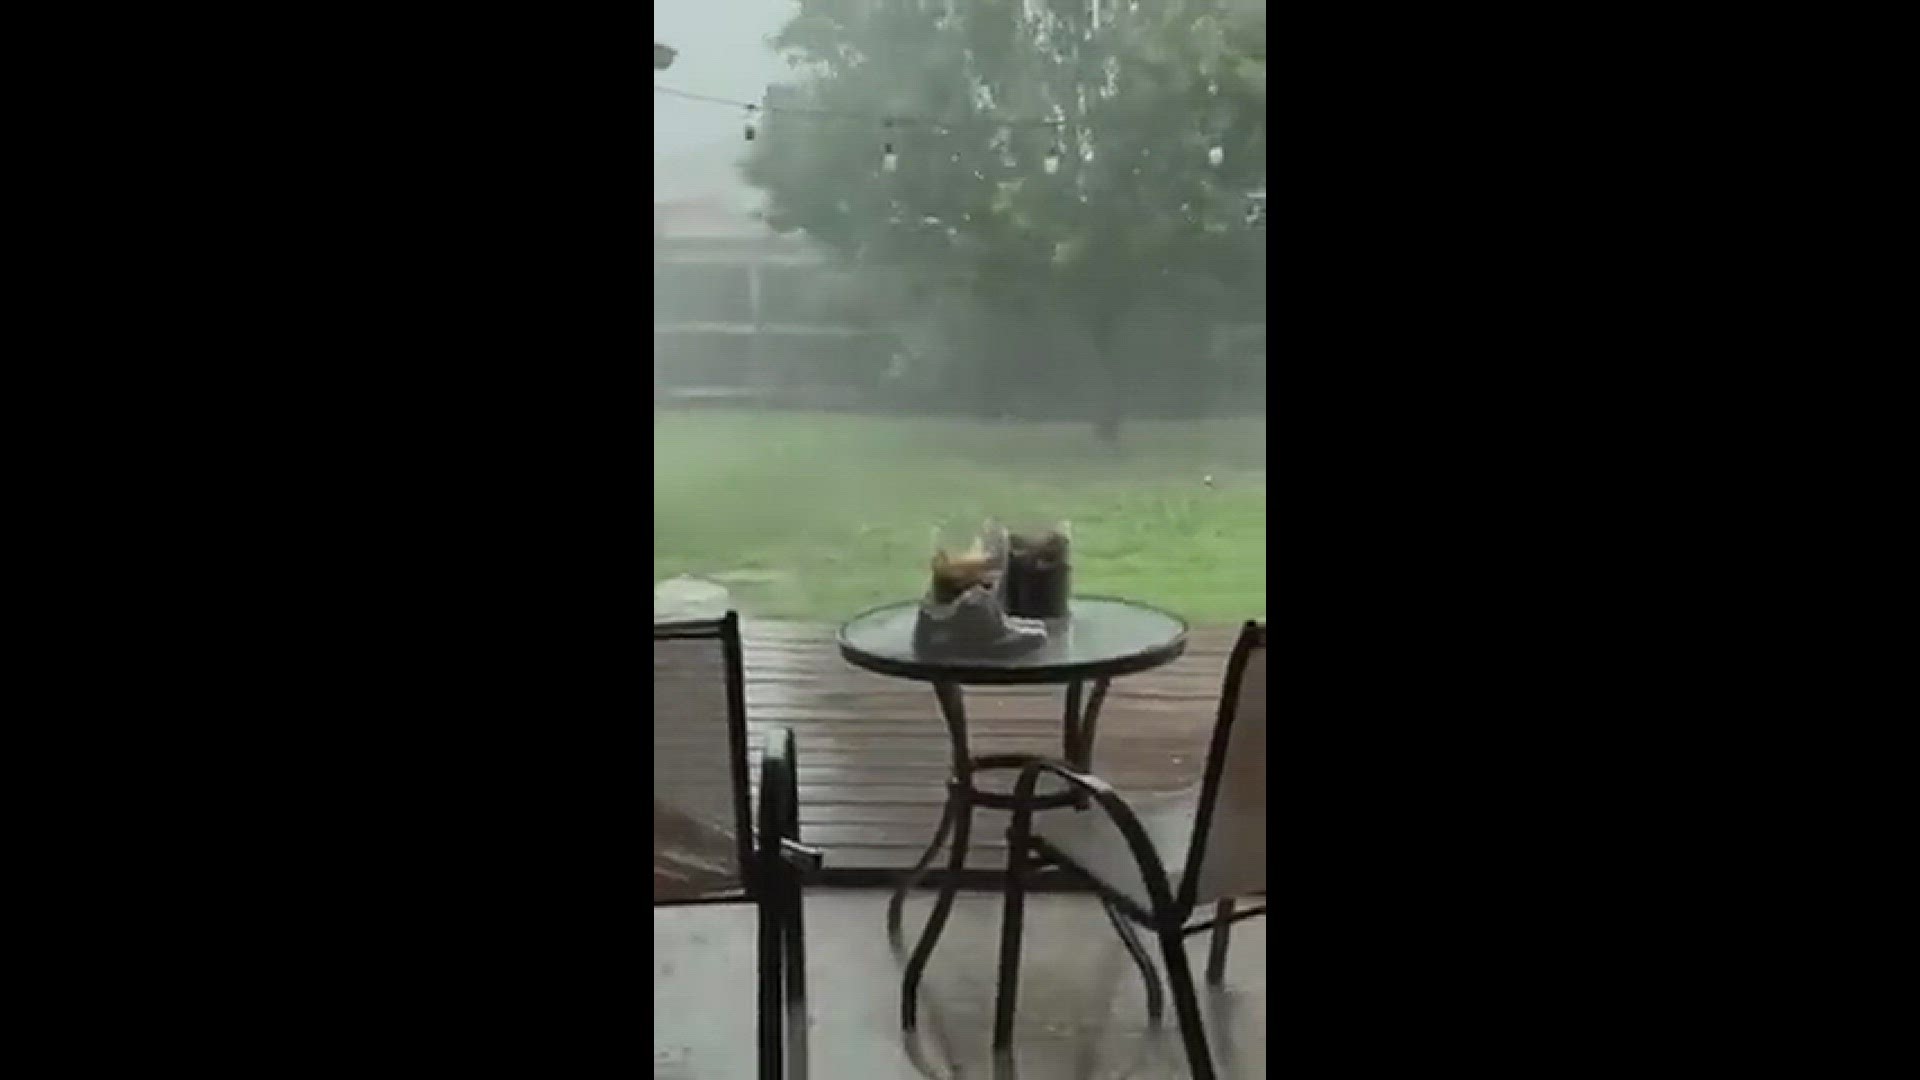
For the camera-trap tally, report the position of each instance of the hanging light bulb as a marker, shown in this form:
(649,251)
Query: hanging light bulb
(888,159)
(1216,155)
(1052,161)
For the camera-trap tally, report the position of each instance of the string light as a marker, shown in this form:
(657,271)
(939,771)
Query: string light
(939,126)
(890,161)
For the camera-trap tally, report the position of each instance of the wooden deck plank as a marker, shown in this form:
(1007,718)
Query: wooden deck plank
(874,754)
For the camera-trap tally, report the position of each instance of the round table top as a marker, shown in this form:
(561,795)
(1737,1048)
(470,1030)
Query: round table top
(1104,638)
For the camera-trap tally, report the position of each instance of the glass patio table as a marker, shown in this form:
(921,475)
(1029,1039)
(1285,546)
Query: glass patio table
(1102,640)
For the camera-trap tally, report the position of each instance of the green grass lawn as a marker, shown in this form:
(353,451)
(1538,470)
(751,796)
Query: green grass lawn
(818,515)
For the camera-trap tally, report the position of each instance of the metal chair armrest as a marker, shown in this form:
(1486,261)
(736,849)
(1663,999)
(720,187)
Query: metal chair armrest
(780,808)
(1152,870)
(778,842)
(804,858)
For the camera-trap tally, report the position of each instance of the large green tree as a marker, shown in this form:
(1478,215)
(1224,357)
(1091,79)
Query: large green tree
(1087,169)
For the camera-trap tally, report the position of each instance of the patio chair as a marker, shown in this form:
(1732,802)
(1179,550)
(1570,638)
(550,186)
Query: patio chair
(705,847)
(1213,835)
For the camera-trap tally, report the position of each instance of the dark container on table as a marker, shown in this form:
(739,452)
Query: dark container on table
(1039,577)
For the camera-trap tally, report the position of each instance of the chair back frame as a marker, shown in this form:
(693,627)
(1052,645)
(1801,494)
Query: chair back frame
(773,862)
(726,630)
(1253,636)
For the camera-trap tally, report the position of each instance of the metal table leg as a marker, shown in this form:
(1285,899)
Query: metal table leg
(1141,959)
(1077,744)
(960,813)
(917,875)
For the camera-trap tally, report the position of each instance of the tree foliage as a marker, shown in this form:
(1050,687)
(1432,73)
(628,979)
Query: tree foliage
(1090,171)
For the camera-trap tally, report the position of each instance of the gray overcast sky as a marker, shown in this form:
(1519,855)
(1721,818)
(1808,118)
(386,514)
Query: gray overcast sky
(723,51)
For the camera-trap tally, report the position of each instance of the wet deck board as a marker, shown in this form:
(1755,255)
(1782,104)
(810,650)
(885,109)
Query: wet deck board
(874,754)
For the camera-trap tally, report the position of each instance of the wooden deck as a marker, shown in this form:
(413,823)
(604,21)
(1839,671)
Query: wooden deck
(874,754)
